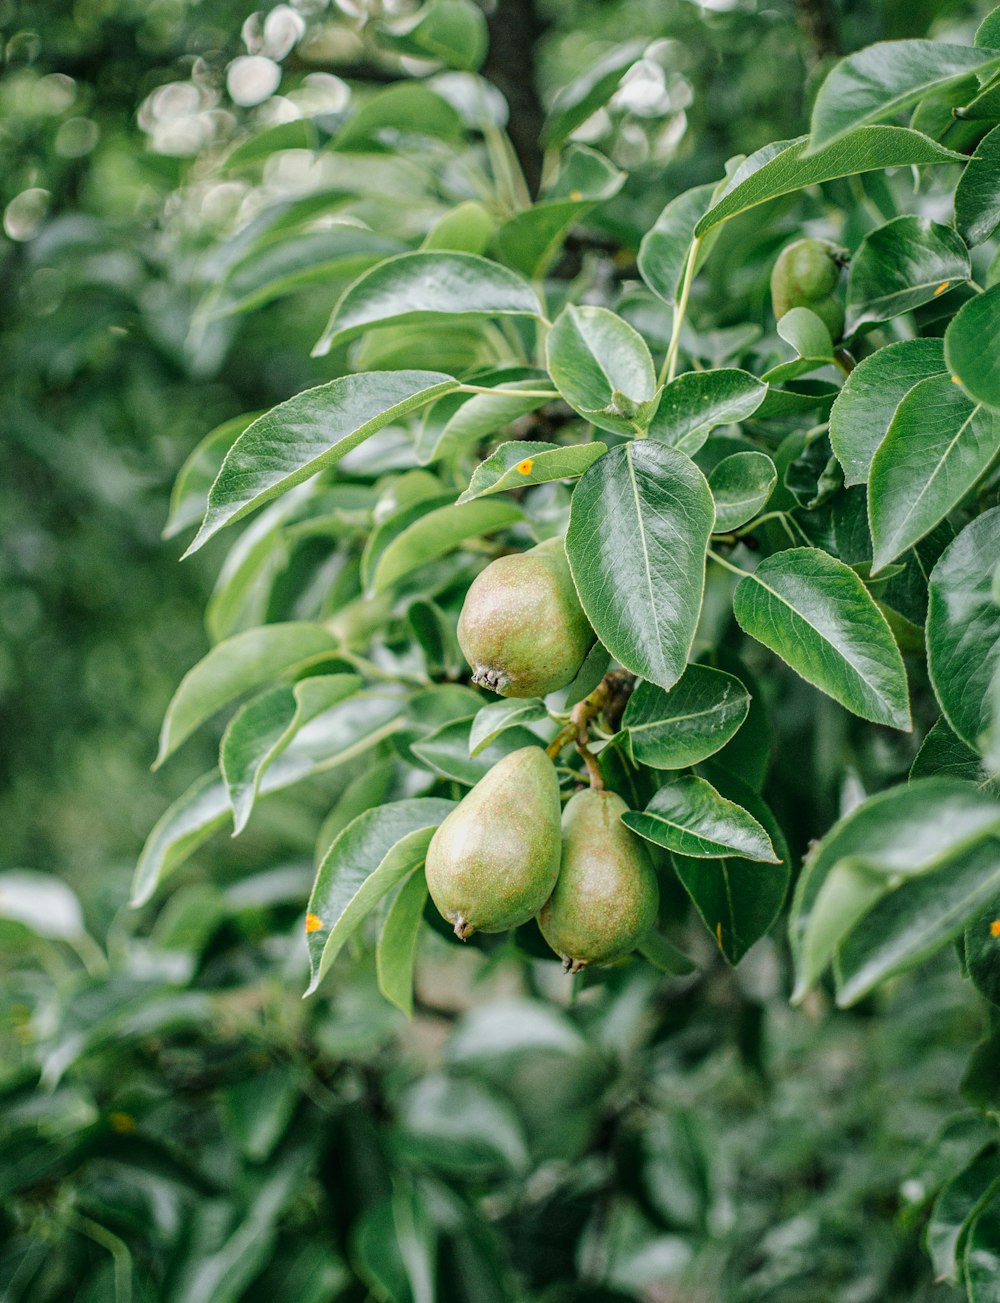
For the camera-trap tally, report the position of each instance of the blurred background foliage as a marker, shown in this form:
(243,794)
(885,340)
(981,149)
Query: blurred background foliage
(174,1123)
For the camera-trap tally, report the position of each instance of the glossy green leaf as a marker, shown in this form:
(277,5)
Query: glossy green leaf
(943,752)
(468,228)
(499,716)
(807,334)
(517,464)
(308,433)
(963,628)
(573,104)
(815,613)
(239,599)
(696,718)
(413,505)
(236,666)
(689,816)
(264,727)
(449,750)
(901,265)
(988,32)
(665,956)
(948,1226)
(977,196)
(451,31)
(938,446)
(438,532)
(640,520)
(373,854)
(664,248)
(872,392)
(899,834)
(694,404)
(783,168)
(424,287)
(970,347)
(738,899)
(880,81)
(741,485)
(301,133)
(603,368)
(355,725)
(396,952)
(189,497)
(981,1259)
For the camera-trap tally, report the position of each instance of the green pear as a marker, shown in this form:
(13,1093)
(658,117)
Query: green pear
(805,275)
(493,863)
(606,898)
(522,628)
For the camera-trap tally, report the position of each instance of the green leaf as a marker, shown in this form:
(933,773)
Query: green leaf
(41,902)
(741,485)
(981,949)
(963,628)
(356,724)
(694,404)
(640,521)
(259,732)
(943,752)
(239,599)
(863,412)
(807,334)
(396,951)
(425,498)
(457,421)
(969,347)
(690,817)
(453,32)
(938,446)
(299,134)
(786,167)
(426,287)
(815,613)
(664,248)
(407,109)
(696,718)
(664,955)
(499,716)
(883,79)
(977,196)
(308,433)
(287,261)
(901,265)
(529,240)
(449,751)
(241,663)
(468,228)
(955,1204)
(918,918)
(738,899)
(438,532)
(988,32)
(603,369)
(981,1261)
(898,834)
(373,854)
(574,104)
(189,497)
(515,465)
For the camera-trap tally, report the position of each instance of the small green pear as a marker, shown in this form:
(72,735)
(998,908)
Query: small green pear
(522,628)
(493,863)
(606,898)
(805,275)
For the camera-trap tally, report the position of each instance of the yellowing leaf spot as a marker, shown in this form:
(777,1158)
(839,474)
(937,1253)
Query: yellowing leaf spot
(524,467)
(718,934)
(995,928)
(123,1123)
(576,195)
(313,923)
(955,380)
(941,288)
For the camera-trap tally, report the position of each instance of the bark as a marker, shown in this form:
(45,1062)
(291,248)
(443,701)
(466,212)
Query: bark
(515,29)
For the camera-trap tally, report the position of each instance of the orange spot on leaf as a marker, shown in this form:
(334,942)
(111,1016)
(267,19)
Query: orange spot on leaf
(995,928)
(123,1123)
(955,380)
(313,923)
(524,467)
(941,288)
(718,934)
(576,195)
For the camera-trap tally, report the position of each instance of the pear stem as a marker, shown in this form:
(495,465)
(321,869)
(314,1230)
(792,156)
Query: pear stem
(577,732)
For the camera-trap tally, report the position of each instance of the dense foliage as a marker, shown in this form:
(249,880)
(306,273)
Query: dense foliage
(749,409)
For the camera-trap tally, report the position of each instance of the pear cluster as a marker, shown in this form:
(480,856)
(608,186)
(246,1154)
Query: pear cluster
(805,275)
(505,855)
